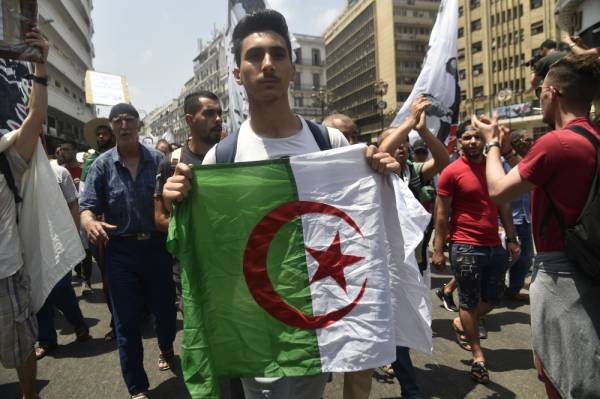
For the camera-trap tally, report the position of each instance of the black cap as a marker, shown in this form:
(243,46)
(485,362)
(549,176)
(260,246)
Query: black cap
(420,145)
(123,108)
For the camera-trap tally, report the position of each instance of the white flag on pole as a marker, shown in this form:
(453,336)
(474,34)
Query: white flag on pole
(439,76)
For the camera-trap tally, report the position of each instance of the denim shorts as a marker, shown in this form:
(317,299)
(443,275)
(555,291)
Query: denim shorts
(479,273)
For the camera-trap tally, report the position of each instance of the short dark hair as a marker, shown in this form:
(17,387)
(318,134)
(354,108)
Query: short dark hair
(69,142)
(462,128)
(576,77)
(260,21)
(548,43)
(191,100)
(162,141)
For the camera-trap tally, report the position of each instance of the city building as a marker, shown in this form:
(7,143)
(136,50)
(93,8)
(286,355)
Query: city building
(495,41)
(581,18)
(309,96)
(375,50)
(68,26)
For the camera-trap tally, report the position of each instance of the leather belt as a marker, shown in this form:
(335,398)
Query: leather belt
(138,236)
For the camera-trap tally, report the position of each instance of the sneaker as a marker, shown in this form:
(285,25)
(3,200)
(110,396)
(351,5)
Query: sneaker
(447,299)
(483,334)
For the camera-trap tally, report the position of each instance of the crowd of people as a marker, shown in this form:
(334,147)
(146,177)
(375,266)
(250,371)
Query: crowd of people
(122,196)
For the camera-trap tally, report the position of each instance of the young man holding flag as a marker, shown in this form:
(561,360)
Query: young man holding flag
(265,69)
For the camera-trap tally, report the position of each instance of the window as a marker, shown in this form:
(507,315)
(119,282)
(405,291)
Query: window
(461,74)
(461,53)
(473,4)
(537,28)
(461,32)
(298,102)
(492,20)
(476,25)
(463,95)
(476,47)
(478,91)
(535,4)
(477,69)
(316,80)
(298,53)
(494,67)
(460,11)
(297,80)
(316,56)
(479,111)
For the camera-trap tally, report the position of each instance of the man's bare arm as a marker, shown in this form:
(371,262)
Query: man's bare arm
(443,206)
(38,103)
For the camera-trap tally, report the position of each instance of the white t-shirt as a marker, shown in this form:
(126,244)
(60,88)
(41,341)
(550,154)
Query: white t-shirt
(251,146)
(11,258)
(65,181)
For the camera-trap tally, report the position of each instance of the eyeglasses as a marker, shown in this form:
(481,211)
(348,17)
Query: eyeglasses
(539,89)
(128,119)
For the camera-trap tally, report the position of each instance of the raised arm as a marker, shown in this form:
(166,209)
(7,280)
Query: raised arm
(38,103)
(443,205)
(439,154)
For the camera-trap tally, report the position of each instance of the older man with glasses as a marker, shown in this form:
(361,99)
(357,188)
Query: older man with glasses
(120,185)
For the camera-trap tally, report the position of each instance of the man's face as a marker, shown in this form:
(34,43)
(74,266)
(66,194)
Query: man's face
(104,138)
(548,95)
(471,144)
(206,123)
(126,129)
(68,152)
(523,144)
(265,68)
(348,129)
(163,147)
(401,153)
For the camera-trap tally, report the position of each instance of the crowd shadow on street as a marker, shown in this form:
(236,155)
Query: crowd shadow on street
(174,387)
(440,381)
(13,390)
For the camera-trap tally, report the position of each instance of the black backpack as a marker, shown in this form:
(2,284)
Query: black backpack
(582,240)
(227,148)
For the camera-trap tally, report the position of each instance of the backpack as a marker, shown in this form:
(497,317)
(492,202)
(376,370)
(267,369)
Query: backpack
(227,148)
(582,240)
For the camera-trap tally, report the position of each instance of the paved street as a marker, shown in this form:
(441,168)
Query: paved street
(91,369)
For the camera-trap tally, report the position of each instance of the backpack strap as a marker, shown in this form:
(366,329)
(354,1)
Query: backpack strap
(10,179)
(227,148)
(321,135)
(552,210)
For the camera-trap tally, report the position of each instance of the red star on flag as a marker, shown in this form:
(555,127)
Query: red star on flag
(332,262)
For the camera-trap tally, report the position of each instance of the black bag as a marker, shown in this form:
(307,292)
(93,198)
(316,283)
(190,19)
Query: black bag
(582,240)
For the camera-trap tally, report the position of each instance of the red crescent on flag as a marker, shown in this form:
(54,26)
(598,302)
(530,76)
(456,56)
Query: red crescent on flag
(255,265)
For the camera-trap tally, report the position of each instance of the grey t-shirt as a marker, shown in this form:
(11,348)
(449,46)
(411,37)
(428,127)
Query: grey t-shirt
(10,243)
(65,181)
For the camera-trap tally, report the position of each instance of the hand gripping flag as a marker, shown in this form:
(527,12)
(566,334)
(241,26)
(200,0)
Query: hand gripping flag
(439,77)
(297,266)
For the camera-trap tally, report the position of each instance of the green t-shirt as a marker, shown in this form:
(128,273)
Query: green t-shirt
(87,164)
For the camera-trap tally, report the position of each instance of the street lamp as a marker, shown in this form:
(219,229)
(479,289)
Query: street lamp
(381,88)
(322,98)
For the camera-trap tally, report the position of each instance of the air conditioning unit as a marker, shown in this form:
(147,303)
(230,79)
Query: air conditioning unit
(476,72)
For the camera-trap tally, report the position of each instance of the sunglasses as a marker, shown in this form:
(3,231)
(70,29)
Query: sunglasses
(539,89)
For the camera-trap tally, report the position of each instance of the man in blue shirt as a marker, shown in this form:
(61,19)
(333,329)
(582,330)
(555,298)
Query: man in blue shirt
(515,146)
(120,185)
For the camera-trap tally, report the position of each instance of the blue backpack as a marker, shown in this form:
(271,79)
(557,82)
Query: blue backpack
(227,148)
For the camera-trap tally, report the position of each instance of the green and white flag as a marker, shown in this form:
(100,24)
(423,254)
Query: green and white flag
(297,266)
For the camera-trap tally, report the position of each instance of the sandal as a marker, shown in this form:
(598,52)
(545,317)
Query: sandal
(42,350)
(479,372)
(461,338)
(165,360)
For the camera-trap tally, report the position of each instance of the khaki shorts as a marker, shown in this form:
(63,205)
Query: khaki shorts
(19,324)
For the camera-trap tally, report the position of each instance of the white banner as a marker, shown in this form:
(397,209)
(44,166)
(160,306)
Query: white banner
(439,76)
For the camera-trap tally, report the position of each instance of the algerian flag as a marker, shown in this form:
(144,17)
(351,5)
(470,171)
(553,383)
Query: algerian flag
(297,266)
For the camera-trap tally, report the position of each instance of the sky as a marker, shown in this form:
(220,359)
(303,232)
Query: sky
(153,43)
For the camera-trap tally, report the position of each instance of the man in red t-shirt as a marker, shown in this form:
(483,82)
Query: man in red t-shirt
(478,260)
(68,152)
(564,303)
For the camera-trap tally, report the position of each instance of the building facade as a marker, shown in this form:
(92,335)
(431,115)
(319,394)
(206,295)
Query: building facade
(308,95)
(375,50)
(496,39)
(68,26)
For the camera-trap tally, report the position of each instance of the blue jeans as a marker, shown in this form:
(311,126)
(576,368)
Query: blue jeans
(518,271)
(479,273)
(140,275)
(63,297)
(405,373)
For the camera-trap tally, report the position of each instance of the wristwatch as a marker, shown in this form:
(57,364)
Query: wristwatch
(43,80)
(492,144)
(512,240)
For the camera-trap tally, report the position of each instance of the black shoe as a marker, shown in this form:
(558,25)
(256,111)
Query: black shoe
(82,333)
(447,300)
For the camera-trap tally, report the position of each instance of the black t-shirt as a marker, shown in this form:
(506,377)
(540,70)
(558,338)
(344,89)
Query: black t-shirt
(166,170)
(543,65)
